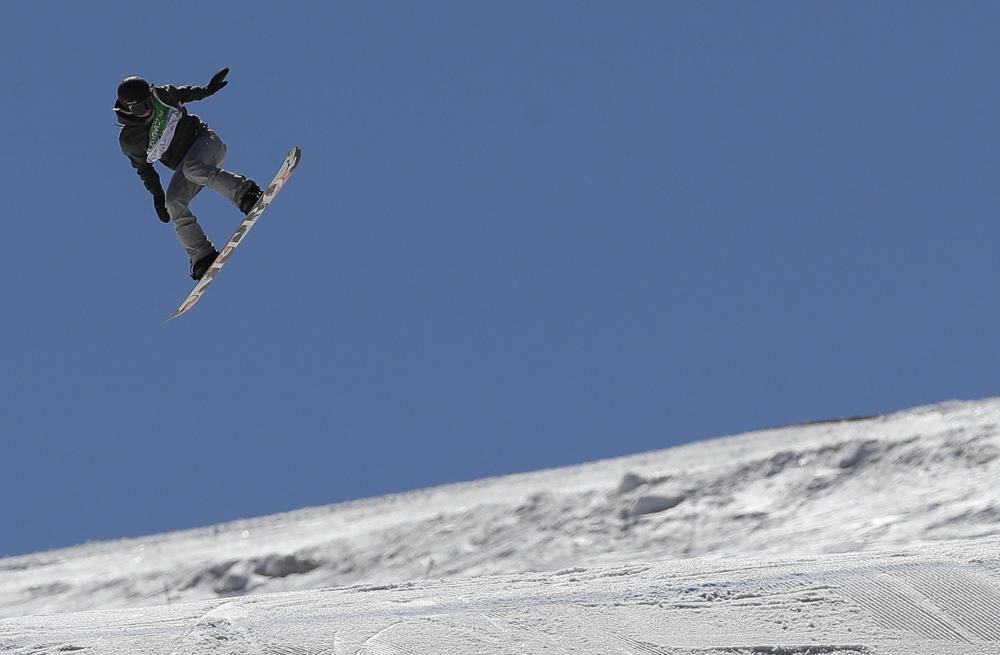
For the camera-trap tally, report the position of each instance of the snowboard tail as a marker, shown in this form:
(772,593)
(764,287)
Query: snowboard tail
(287,168)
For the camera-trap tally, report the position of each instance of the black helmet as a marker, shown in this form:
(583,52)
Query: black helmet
(135,95)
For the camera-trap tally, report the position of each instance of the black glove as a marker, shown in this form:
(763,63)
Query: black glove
(160,202)
(218,81)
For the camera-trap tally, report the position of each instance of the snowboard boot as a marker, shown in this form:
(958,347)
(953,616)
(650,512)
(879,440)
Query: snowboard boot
(250,198)
(200,267)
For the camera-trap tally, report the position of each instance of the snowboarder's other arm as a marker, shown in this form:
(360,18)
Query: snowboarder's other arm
(134,147)
(191,93)
(151,180)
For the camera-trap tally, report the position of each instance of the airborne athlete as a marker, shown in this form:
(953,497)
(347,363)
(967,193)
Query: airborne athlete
(156,127)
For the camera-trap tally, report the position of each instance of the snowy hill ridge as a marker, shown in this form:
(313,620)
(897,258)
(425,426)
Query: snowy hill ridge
(896,481)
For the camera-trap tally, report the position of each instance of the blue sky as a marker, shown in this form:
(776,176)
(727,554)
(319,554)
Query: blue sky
(523,235)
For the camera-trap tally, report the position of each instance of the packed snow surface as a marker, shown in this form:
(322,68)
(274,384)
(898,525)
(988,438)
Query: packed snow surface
(877,535)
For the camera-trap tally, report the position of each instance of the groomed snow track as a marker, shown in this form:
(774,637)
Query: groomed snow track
(930,600)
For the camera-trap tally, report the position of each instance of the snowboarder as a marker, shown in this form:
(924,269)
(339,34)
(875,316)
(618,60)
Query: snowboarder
(157,127)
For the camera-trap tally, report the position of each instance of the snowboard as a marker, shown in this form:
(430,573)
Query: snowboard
(287,168)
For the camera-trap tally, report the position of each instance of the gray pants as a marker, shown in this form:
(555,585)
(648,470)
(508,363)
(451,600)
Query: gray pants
(200,168)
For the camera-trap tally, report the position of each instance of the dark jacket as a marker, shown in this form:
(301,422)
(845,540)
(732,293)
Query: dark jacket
(134,136)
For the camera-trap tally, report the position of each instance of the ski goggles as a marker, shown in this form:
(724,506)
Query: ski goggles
(139,107)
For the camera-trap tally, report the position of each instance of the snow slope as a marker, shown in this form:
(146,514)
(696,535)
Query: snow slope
(936,600)
(910,500)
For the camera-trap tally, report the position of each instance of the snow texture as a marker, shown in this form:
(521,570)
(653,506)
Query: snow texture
(878,535)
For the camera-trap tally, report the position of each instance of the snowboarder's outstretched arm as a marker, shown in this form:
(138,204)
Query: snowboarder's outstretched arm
(192,93)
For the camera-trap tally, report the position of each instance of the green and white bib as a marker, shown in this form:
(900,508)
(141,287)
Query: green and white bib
(161,132)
